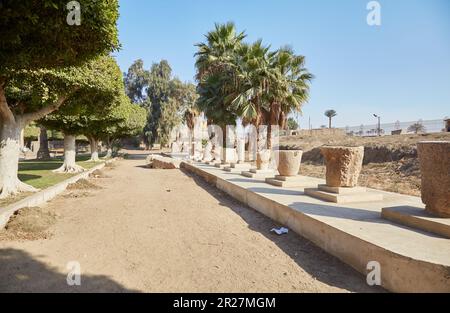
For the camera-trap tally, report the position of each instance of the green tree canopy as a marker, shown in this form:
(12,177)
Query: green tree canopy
(35,33)
(292,124)
(38,54)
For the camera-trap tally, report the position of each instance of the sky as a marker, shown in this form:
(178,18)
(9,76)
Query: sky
(399,70)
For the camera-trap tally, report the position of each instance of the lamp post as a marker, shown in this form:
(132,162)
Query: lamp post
(379,124)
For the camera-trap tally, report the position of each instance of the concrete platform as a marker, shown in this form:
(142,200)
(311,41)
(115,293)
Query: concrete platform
(410,260)
(289,181)
(259,174)
(417,218)
(342,190)
(343,195)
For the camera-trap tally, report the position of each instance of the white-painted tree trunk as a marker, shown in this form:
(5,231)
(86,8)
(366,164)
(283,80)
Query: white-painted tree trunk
(70,152)
(94,150)
(108,153)
(9,159)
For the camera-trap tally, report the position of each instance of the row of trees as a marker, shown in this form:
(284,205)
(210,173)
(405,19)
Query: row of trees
(248,80)
(60,76)
(165,98)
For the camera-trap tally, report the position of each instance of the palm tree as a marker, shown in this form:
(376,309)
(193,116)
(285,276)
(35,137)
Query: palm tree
(288,88)
(330,114)
(215,73)
(217,53)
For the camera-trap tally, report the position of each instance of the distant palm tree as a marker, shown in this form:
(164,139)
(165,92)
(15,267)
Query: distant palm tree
(417,128)
(330,114)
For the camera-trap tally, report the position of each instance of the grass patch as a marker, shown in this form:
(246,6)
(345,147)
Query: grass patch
(38,173)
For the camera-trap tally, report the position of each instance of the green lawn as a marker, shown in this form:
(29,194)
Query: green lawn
(38,173)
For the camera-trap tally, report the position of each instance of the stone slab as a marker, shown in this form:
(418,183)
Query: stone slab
(342,190)
(160,162)
(343,198)
(233,170)
(268,171)
(418,218)
(293,181)
(260,175)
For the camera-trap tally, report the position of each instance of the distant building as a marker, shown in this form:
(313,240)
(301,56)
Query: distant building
(447,124)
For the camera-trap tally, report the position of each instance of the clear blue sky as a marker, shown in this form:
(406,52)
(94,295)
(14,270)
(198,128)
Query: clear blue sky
(399,70)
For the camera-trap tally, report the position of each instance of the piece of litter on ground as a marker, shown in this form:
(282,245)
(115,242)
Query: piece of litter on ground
(280,231)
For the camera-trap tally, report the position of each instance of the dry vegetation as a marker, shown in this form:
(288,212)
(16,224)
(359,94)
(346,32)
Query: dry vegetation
(390,162)
(29,224)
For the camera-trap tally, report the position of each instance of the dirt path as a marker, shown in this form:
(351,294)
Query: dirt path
(166,231)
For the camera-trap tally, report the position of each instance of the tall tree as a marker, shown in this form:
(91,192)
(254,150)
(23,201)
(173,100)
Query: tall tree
(288,88)
(416,128)
(158,93)
(36,38)
(125,119)
(292,124)
(89,104)
(136,82)
(330,114)
(216,74)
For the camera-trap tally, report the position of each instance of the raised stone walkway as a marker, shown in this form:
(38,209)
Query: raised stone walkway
(410,260)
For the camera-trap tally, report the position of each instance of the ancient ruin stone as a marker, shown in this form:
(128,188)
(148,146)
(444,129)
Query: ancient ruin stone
(343,165)
(289,162)
(434,157)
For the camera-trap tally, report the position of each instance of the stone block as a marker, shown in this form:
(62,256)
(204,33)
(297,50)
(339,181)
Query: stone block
(343,165)
(348,197)
(434,158)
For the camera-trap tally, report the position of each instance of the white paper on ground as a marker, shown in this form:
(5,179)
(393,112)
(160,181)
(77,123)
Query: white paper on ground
(280,231)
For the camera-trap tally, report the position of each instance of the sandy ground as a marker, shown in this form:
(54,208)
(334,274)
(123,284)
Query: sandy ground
(149,230)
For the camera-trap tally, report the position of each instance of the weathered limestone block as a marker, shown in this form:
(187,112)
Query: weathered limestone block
(343,165)
(434,158)
(289,162)
(160,162)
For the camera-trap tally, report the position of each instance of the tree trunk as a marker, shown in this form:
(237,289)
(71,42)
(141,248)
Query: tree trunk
(43,152)
(108,148)
(94,149)
(9,159)
(329,122)
(69,165)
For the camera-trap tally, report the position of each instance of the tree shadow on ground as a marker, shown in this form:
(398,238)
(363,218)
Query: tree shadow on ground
(312,259)
(27,177)
(20,272)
